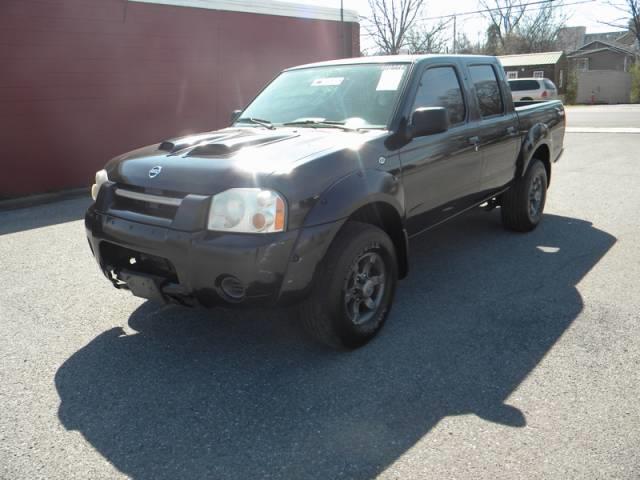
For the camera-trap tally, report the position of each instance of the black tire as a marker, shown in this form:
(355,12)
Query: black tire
(523,204)
(331,314)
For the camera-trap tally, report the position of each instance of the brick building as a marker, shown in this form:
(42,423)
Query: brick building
(84,80)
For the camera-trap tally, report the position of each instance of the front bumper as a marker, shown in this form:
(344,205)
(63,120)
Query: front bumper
(191,267)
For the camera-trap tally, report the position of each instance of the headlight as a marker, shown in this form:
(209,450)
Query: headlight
(101,177)
(247,210)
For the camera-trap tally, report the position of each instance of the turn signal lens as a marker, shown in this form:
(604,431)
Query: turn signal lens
(279,223)
(101,178)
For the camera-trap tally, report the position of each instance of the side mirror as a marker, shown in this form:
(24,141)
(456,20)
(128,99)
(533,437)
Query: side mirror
(234,115)
(428,121)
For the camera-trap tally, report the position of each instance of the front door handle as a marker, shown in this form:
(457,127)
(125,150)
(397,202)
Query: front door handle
(475,141)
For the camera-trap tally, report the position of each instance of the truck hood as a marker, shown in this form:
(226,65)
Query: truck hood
(234,157)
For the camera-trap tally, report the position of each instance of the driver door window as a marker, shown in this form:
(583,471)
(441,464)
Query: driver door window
(440,87)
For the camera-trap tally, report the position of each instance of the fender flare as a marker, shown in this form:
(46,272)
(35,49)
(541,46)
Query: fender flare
(360,189)
(537,136)
(353,192)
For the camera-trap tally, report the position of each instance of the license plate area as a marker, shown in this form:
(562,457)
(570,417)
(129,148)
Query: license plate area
(142,285)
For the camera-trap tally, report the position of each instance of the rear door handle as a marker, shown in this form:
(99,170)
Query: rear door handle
(512,131)
(475,141)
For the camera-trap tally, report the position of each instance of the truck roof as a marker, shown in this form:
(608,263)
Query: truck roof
(393,59)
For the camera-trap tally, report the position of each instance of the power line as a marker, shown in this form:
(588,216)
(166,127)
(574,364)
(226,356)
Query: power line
(451,16)
(489,10)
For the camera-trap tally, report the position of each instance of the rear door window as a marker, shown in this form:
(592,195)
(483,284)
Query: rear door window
(487,89)
(440,87)
(521,85)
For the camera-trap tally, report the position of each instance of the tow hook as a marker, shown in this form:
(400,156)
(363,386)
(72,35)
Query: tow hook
(113,277)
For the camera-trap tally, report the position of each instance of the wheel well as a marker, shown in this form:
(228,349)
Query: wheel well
(542,153)
(385,217)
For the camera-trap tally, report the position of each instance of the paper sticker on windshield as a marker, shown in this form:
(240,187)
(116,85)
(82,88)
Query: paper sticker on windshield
(327,82)
(390,79)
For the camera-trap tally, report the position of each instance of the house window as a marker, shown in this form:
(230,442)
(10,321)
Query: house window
(583,64)
(538,74)
(512,75)
(561,79)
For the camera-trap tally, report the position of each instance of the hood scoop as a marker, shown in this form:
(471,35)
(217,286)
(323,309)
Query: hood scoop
(180,143)
(227,146)
(222,144)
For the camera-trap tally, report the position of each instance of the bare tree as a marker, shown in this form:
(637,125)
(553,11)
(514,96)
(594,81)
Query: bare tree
(504,15)
(427,39)
(631,18)
(540,30)
(391,21)
(519,26)
(467,47)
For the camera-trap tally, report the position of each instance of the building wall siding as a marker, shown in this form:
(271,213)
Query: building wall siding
(84,80)
(608,60)
(603,86)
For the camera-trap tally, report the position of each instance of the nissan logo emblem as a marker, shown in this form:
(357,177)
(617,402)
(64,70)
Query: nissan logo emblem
(155,171)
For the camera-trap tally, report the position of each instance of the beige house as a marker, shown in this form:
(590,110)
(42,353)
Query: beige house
(603,74)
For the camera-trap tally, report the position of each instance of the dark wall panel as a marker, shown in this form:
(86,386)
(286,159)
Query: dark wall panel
(84,80)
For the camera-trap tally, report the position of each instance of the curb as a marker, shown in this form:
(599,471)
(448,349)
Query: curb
(632,130)
(40,199)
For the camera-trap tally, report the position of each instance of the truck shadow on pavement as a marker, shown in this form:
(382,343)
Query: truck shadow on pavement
(243,394)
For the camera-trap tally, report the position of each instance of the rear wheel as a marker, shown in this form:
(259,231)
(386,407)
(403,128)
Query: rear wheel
(523,204)
(354,288)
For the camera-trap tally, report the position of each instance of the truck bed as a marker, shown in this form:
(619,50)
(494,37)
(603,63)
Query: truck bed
(547,112)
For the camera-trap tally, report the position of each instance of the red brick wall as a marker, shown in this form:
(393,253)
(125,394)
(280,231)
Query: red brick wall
(84,80)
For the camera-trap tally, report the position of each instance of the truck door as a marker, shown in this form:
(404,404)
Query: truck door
(498,137)
(441,173)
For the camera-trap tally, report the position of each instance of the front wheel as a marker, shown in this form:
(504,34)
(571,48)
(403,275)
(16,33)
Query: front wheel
(354,287)
(523,204)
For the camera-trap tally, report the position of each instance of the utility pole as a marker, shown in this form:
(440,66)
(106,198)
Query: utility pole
(342,35)
(455,34)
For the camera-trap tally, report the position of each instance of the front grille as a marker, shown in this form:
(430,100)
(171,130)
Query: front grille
(156,203)
(146,208)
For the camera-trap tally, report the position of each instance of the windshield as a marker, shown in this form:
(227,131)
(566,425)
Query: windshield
(361,96)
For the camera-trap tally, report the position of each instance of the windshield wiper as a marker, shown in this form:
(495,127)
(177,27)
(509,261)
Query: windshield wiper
(321,123)
(258,121)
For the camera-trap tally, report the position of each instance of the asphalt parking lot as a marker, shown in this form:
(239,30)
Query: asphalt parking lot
(505,356)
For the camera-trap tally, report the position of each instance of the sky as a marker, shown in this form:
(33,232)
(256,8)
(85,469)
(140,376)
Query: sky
(589,14)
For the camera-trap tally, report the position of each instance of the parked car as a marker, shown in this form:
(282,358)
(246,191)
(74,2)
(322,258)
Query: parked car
(528,89)
(313,192)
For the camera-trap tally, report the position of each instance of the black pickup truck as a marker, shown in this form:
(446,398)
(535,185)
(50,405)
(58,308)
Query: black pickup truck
(312,194)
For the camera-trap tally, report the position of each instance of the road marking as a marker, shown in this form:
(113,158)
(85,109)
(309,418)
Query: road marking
(603,130)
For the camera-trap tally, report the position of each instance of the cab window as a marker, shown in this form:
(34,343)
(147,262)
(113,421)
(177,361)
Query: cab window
(440,87)
(487,89)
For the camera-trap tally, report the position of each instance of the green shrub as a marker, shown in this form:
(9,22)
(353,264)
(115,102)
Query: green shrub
(571,92)
(635,83)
